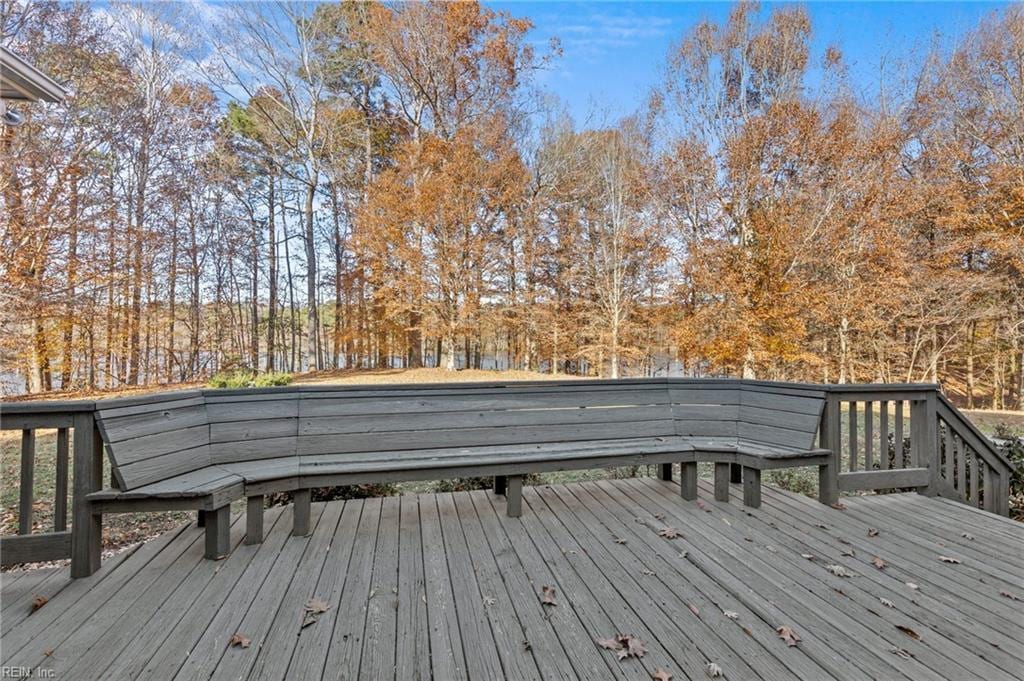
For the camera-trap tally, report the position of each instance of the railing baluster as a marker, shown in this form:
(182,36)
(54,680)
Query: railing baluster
(60,504)
(988,492)
(869,436)
(898,461)
(959,460)
(975,479)
(883,434)
(853,434)
(28,464)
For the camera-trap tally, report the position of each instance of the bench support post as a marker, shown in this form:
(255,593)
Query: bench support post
(721,481)
(499,484)
(254,520)
(218,529)
(828,482)
(751,487)
(86,526)
(735,473)
(665,471)
(303,499)
(514,496)
(688,480)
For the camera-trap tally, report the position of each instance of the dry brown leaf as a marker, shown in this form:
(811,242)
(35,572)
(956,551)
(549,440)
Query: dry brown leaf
(620,540)
(850,553)
(239,640)
(913,586)
(316,606)
(659,516)
(48,652)
(878,563)
(609,643)
(808,556)
(821,526)
(731,615)
(887,603)
(694,609)
(649,573)
(714,671)
(624,645)
(490,600)
(661,675)
(839,571)
(909,632)
(38,602)
(901,652)
(966,535)
(872,532)
(1012,597)
(548,595)
(634,647)
(839,506)
(947,559)
(788,635)
(702,506)
(669,533)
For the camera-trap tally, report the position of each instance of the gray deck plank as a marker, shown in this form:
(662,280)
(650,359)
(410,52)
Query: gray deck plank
(525,571)
(749,636)
(286,623)
(485,650)
(447,659)
(379,639)
(412,655)
(517,611)
(820,614)
(308,658)
(969,635)
(943,654)
(346,645)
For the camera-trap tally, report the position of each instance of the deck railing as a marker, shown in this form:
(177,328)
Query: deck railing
(885,437)
(78,442)
(895,437)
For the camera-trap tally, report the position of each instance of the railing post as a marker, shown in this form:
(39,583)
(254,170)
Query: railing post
(86,527)
(924,440)
(830,436)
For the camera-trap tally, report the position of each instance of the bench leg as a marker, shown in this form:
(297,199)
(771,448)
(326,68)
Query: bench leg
(254,520)
(721,481)
(688,480)
(751,487)
(665,472)
(828,484)
(735,473)
(514,496)
(200,518)
(218,529)
(303,500)
(499,484)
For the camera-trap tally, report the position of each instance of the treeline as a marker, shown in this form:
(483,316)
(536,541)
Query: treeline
(296,187)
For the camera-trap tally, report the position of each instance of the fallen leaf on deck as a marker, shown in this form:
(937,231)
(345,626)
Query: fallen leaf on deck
(548,595)
(714,671)
(620,540)
(839,571)
(316,606)
(649,573)
(239,640)
(1007,594)
(624,645)
(913,586)
(661,675)
(909,632)
(669,533)
(489,600)
(694,609)
(683,554)
(901,652)
(659,516)
(839,506)
(38,602)
(887,603)
(731,615)
(527,646)
(965,535)
(872,532)
(947,559)
(788,635)
(821,526)
(878,563)
(849,553)
(808,556)
(702,506)
(48,653)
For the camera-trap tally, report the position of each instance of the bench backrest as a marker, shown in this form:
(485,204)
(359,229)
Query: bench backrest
(155,437)
(160,436)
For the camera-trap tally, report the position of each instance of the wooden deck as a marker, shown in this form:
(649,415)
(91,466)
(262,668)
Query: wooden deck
(445,586)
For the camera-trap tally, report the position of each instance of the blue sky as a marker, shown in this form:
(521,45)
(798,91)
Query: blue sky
(614,51)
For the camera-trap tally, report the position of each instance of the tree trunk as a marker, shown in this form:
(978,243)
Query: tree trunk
(312,318)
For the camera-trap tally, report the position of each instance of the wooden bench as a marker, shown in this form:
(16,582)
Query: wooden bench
(202,449)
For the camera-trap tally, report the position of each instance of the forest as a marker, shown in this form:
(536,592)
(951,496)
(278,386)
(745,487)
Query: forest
(299,187)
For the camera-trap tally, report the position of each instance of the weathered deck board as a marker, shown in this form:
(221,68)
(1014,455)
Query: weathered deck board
(446,586)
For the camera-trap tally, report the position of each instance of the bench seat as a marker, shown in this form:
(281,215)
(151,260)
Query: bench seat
(204,449)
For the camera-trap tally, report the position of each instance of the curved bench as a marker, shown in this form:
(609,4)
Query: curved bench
(202,449)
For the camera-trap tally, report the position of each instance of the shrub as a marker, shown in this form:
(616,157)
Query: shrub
(243,378)
(1013,447)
